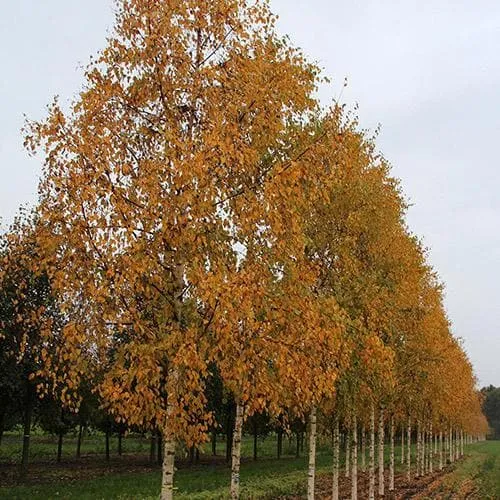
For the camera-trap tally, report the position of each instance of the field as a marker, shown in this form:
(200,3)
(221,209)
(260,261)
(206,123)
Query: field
(132,476)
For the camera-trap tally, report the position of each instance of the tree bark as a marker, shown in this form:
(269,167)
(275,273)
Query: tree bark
(363,449)
(381,479)
(152,447)
(347,450)
(279,446)
(254,439)
(159,449)
(312,455)
(354,455)
(431,449)
(107,445)
(214,443)
(440,450)
(2,422)
(120,439)
(450,445)
(236,453)
(167,480)
(79,441)
(408,450)
(336,459)
(297,450)
(402,444)
(28,413)
(371,473)
(59,447)
(391,461)
(419,449)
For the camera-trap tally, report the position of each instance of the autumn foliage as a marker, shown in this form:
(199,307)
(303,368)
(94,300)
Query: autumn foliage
(199,209)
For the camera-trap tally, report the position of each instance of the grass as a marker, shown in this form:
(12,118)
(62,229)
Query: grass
(479,473)
(265,478)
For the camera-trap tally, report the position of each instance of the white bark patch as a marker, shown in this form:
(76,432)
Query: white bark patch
(236,453)
(312,455)
(371,473)
(381,479)
(354,469)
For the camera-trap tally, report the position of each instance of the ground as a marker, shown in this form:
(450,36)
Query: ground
(132,476)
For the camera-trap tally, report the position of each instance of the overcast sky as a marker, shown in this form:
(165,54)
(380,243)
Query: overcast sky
(428,71)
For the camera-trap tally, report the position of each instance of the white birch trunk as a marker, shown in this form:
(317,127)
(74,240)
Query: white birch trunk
(441,444)
(312,455)
(354,454)
(371,482)
(381,479)
(461,443)
(347,450)
(391,461)
(419,449)
(450,444)
(402,444)
(167,482)
(336,460)
(408,450)
(424,451)
(363,449)
(236,453)
(431,450)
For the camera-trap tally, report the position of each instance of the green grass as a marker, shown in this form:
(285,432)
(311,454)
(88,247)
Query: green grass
(265,478)
(480,471)
(44,447)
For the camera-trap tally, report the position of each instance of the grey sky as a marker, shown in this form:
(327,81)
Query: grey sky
(427,71)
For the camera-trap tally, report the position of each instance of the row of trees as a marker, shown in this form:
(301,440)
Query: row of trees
(202,218)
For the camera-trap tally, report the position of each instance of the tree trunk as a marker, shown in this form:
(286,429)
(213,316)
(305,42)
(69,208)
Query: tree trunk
(159,449)
(354,455)
(336,459)
(347,450)
(363,449)
(381,480)
(59,447)
(107,446)
(214,443)
(424,451)
(402,444)
(419,449)
(431,449)
(167,480)
(297,451)
(461,443)
(450,447)
(254,439)
(236,453)
(79,441)
(391,461)
(408,450)
(152,447)
(120,439)
(371,473)
(279,443)
(2,422)
(28,412)
(312,455)
(440,441)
